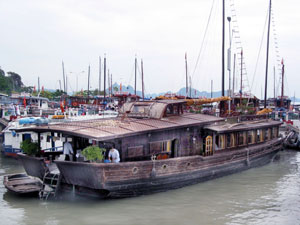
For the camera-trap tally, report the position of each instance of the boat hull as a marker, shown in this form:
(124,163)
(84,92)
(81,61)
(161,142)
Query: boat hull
(138,178)
(22,184)
(9,151)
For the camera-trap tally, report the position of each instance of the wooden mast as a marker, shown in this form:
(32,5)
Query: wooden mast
(233,78)
(135,63)
(63,67)
(104,68)
(186,78)
(111,85)
(223,57)
(88,93)
(274,85)
(108,83)
(267,58)
(282,84)
(142,69)
(99,75)
(241,90)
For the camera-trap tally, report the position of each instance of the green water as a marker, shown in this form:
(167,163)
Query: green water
(266,195)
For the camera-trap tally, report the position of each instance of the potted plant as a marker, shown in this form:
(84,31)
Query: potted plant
(93,153)
(30,148)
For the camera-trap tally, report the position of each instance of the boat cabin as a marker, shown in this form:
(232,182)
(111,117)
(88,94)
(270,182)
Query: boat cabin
(161,129)
(233,136)
(142,129)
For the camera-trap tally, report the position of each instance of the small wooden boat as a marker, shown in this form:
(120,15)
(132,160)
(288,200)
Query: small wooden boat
(22,184)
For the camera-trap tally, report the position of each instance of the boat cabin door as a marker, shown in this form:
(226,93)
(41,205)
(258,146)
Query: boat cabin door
(208,145)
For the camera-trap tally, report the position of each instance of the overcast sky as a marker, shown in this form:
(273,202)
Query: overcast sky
(37,35)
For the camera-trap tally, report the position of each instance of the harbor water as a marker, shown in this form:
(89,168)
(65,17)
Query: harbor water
(266,195)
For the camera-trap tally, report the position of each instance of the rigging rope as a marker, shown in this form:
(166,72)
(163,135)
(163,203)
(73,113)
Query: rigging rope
(204,36)
(259,52)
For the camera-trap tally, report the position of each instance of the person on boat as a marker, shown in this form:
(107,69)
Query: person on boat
(68,150)
(17,109)
(114,155)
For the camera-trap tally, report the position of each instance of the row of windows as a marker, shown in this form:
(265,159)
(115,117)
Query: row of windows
(232,140)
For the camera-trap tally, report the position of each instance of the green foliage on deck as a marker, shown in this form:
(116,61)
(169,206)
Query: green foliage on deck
(93,153)
(29,147)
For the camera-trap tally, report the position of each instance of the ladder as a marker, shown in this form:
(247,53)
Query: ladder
(50,187)
(241,69)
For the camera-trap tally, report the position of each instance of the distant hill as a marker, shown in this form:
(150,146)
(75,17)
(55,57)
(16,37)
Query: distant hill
(182,91)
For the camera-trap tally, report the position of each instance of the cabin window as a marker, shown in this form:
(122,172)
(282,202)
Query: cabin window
(222,141)
(135,151)
(260,135)
(275,132)
(249,134)
(228,141)
(241,138)
(141,109)
(170,110)
(253,136)
(233,139)
(160,146)
(265,134)
(269,134)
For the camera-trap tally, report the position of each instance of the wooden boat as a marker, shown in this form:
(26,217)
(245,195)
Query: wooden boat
(22,184)
(161,148)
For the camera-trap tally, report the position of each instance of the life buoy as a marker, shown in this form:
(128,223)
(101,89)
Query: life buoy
(75,104)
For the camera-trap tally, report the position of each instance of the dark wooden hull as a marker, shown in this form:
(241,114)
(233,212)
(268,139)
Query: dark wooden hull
(145,177)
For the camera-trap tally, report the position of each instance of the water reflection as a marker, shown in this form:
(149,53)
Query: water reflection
(266,195)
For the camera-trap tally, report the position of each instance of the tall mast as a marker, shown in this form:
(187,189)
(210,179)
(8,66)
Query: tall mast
(135,63)
(99,75)
(186,78)
(104,76)
(38,84)
(108,82)
(274,84)
(59,84)
(267,59)
(111,86)
(63,67)
(241,90)
(211,88)
(88,93)
(190,86)
(142,69)
(223,56)
(233,78)
(282,84)
(229,66)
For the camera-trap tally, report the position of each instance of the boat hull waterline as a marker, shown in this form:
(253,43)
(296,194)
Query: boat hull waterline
(138,178)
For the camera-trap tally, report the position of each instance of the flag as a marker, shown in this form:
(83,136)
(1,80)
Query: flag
(62,107)
(24,102)
(120,86)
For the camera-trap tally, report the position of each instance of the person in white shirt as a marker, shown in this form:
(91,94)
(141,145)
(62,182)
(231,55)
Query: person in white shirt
(114,155)
(68,150)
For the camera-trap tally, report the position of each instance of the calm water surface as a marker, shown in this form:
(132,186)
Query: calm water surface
(266,195)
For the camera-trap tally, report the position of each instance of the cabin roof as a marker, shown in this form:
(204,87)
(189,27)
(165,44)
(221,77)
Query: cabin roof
(107,129)
(249,125)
